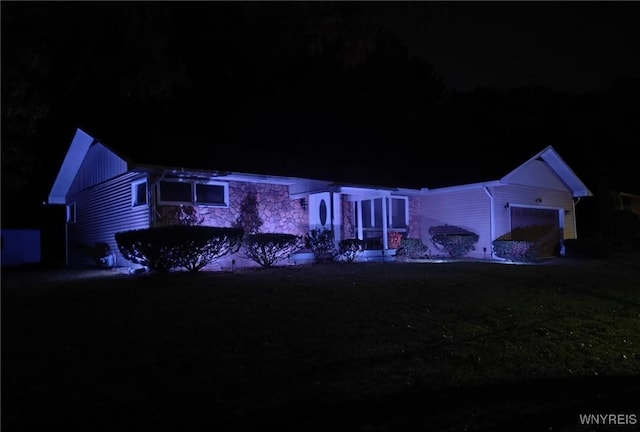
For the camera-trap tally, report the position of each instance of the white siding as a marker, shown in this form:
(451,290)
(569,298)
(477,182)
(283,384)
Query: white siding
(525,196)
(102,211)
(99,165)
(538,174)
(468,209)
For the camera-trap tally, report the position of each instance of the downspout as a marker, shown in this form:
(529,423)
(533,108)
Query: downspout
(331,207)
(573,215)
(360,230)
(66,237)
(492,225)
(385,229)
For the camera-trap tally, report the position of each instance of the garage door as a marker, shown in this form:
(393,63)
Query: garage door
(535,224)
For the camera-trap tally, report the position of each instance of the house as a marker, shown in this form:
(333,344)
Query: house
(104,192)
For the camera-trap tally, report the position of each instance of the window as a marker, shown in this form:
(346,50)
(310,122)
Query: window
(210,194)
(397,212)
(191,192)
(175,192)
(372,213)
(71,213)
(139,193)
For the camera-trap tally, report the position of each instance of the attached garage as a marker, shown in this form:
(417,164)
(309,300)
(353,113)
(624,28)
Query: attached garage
(537,224)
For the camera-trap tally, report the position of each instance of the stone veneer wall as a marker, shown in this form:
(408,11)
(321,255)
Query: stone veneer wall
(276,210)
(348,225)
(415,226)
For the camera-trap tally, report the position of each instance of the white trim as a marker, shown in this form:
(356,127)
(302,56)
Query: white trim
(225,191)
(134,192)
(462,187)
(70,166)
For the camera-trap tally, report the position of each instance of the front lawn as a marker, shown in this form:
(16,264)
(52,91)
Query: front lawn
(360,347)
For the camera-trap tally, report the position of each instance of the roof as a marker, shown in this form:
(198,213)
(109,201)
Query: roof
(190,146)
(560,167)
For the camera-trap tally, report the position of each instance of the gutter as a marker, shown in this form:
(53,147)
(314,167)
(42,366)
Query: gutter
(492,226)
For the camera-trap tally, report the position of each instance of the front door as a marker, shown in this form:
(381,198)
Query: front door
(320,211)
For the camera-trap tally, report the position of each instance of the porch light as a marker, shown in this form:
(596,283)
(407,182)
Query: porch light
(303,203)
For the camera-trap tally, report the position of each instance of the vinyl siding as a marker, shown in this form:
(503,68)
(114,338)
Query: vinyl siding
(101,211)
(537,174)
(468,209)
(99,165)
(520,195)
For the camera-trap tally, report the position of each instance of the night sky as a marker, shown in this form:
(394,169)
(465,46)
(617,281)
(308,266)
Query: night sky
(418,94)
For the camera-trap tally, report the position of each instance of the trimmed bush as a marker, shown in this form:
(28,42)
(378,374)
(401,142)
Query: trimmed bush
(515,250)
(321,243)
(453,240)
(412,248)
(350,249)
(192,247)
(268,248)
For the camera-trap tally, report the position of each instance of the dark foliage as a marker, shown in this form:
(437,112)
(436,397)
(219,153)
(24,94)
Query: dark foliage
(453,240)
(321,243)
(412,248)
(267,249)
(191,247)
(516,250)
(594,247)
(350,249)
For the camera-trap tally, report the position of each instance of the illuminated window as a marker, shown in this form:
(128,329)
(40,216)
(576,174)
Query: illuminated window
(191,192)
(139,193)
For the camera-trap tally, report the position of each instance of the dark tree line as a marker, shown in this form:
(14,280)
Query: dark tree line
(309,81)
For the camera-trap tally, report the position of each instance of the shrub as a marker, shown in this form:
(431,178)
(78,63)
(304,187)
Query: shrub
(321,243)
(202,245)
(165,248)
(350,249)
(412,248)
(515,250)
(455,241)
(268,248)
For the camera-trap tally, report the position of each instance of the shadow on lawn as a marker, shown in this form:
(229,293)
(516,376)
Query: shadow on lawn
(534,405)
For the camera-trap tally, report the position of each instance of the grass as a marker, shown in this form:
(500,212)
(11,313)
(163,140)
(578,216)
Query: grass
(360,347)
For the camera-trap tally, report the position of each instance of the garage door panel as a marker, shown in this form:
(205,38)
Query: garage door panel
(535,224)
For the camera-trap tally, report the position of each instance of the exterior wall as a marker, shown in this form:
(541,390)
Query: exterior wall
(468,209)
(277,211)
(415,217)
(526,196)
(348,223)
(99,165)
(101,211)
(537,174)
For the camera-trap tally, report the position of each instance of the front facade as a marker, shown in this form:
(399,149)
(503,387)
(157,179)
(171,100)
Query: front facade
(104,193)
